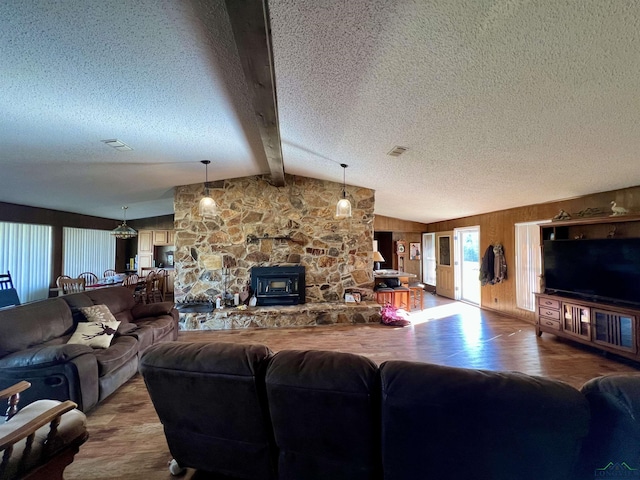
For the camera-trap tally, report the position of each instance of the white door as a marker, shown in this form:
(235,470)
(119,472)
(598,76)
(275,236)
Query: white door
(467,264)
(444,264)
(429,258)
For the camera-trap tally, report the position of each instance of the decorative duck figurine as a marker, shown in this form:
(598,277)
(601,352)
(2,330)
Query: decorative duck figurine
(618,210)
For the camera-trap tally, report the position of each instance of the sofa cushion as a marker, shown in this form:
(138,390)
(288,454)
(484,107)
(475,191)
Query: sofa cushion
(614,435)
(118,300)
(43,356)
(451,423)
(98,313)
(325,413)
(94,334)
(33,323)
(161,326)
(121,350)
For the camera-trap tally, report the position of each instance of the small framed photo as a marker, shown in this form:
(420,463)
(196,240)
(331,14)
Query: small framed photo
(348,297)
(414,251)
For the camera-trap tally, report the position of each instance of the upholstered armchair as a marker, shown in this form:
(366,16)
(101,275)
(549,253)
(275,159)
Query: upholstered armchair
(41,439)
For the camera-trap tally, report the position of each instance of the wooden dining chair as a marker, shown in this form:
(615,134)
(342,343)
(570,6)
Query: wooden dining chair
(72,285)
(109,273)
(6,282)
(133,283)
(152,290)
(162,275)
(89,278)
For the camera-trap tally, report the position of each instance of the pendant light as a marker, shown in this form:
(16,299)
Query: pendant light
(343,208)
(207,207)
(124,231)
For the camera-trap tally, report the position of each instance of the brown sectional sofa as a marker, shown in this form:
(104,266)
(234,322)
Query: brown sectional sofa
(318,415)
(33,345)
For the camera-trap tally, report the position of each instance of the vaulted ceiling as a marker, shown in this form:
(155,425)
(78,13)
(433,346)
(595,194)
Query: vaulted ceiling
(500,103)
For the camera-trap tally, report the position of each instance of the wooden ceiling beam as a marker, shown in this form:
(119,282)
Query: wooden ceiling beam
(252,32)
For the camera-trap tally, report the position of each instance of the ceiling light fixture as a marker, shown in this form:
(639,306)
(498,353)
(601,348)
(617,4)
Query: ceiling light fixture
(207,207)
(118,145)
(343,208)
(124,231)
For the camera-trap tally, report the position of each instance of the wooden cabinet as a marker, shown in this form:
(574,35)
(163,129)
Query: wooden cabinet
(575,320)
(145,249)
(162,237)
(609,327)
(147,241)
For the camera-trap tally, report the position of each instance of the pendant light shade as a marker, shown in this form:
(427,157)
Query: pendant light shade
(124,231)
(343,207)
(207,207)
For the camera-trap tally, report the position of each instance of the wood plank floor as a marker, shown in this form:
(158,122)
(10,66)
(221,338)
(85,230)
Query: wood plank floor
(126,438)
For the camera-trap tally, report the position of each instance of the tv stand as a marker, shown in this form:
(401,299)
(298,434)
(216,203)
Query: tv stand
(606,326)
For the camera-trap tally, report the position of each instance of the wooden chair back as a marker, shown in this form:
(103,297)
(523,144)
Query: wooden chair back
(109,273)
(5,281)
(131,281)
(152,291)
(72,285)
(60,278)
(89,278)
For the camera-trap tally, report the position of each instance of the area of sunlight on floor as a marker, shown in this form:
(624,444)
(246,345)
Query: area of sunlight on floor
(444,311)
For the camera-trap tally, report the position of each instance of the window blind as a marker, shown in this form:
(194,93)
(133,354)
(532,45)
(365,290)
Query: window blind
(528,263)
(87,250)
(26,253)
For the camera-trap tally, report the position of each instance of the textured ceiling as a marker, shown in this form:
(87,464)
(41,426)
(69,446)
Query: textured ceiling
(501,103)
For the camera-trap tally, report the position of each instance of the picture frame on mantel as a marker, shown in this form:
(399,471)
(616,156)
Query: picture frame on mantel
(414,251)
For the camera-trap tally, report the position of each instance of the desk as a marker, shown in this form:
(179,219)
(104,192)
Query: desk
(382,274)
(389,289)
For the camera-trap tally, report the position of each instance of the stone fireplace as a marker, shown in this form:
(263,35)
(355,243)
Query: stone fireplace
(260,225)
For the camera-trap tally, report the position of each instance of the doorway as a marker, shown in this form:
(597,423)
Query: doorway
(467,268)
(445,256)
(429,259)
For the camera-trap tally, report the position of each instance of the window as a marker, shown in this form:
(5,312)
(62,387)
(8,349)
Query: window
(86,250)
(26,253)
(528,264)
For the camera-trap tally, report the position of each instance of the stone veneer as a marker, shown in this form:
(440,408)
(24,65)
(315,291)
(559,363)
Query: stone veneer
(337,254)
(309,314)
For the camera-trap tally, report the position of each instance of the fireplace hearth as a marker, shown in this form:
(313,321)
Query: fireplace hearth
(278,285)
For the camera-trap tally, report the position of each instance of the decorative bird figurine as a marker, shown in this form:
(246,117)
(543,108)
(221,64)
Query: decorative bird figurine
(618,210)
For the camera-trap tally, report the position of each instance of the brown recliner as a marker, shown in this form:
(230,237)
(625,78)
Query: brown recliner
(211,401)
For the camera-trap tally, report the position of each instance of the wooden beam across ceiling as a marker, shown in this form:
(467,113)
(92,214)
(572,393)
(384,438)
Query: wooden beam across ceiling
(252,32)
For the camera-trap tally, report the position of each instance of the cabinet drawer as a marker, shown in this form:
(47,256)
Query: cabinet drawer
(547,322)
(548,312)
(549,303)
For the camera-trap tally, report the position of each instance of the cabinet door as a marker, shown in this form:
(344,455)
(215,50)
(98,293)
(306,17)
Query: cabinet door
(615,329)
(170,237)
(160,237)
(145,242)
(576,320)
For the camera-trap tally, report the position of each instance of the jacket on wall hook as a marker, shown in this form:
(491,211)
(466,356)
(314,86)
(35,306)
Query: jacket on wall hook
(493,268)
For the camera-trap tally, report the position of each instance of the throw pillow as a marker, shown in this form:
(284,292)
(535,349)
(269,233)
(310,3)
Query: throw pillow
(94,334)
(97,313)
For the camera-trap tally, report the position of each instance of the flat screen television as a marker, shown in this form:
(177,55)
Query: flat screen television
(595,269)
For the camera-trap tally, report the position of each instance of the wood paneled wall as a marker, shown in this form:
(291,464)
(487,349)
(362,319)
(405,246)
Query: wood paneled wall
(500,227)
(389,224)
(402,230)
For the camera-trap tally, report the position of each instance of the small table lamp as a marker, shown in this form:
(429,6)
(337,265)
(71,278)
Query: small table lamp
(377,258)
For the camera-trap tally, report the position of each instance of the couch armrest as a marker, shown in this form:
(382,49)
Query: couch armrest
(151,310)
(44,356)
